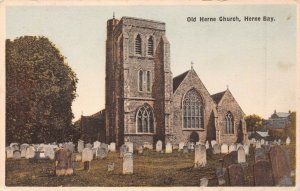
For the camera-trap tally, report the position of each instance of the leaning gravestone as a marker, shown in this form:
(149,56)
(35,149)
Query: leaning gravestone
(80,146)
(262,173)
(181,145)
(259,154)
(112,147)
(128,163)
(17,155)
(200,156)
(123,149)
(87,157)
(158,146)
(9,153)
(63,162)
(130,146)
(30,152)
(216,149)
(236,175)
(280,166)
(232,148)
(224,148)
(241,155)
(168,148)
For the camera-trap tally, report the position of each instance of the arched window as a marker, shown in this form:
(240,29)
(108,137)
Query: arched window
(148,81)
(144,119)
(229,123)
(140,80)
(138,44)
(150,46)
(193,116)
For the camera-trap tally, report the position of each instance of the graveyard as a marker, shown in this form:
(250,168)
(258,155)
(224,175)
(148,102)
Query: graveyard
(146,166)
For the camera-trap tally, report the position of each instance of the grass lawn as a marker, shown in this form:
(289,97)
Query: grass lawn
(150,169)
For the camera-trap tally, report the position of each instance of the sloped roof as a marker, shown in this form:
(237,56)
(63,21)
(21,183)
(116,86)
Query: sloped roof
(262,133)
(178,79)
(282,114)
(218,96)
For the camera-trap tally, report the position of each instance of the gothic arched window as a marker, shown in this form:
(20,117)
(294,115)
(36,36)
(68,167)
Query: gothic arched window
(140,80)
(229,123)
(148,81)
(193,116)
(150,46)
(144,119)
(138,44)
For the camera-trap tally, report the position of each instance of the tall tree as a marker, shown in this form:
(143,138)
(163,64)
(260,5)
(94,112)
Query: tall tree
(40,89)
(254,122)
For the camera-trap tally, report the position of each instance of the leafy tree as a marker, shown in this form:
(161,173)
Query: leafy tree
(40,89)
(254,122)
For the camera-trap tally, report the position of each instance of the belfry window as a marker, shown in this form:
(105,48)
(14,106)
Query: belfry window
(140,80)
(144,119)
(193,116)
(138,45)
(229,123)
(150,46)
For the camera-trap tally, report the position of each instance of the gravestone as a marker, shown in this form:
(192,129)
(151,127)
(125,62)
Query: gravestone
(176,147)
(148,145)
(181,145)
(49,153)
(63,162)
(266,148)
(191,146)
(220,173)
(266,142)
(259,154)
(241,155)
(230,159)
(203,181)
(236,175)
(69,146)
(232,148)
(15,146)
(213,142)
(9,153)
(96,144)
(123,149)
(200,156)
(238,146)
(104,146)
(288,141)
(102,153)
(78,157)
(257,144)
(216,149)
(17,155)
(279,141)
(185,149)
(140,149)
(30,152)
(80,146)
(111,167)
(112,147)
(280,166)
(207,145)
(130,146)
(128,163)
(89,146)
(224,148)
(262,142)
(168,148)
(87,157)
(246,148)
(158,146)
(262,173)
(23,148)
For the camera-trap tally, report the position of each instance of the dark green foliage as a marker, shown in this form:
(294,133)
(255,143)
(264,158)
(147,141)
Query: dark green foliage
(40,88)
(254,122)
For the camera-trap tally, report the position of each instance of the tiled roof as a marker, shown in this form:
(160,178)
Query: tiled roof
(218,96)
(178,79)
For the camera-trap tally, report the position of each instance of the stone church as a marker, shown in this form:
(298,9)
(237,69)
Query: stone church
(144,103)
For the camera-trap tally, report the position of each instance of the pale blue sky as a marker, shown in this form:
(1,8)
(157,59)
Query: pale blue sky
(256,59)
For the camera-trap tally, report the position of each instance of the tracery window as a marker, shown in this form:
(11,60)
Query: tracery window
(193,116)
(144,119)
(138,44)
(150,46)
(229,123)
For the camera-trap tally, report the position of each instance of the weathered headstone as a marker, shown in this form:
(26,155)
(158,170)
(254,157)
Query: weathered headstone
(30,152)
(266,148)
(168,148)
(213,142)
(203,181)
(104,146)
(158,146)
(191,146)
(102,153)
(176,147)
(236,175)
(230,159)
(63,162)
(259,154)
(181,145)
(123,149)
(9,152)
(111,167)
(23,148)
(148,145)
(69,146)
(128,163)
(89,145)
(15,146)
(262,142)
(80,146)
(87,157)
(241,155)
(238,146)
(140,149)
(17,155)
(49,153)
(207,145)
(279,141)
(112,147)
(280,166)
(130,146)
(262,173)
(216,149)
(232,148)
(96,144)
(246,148)
(288,141)
(224,148)
(78,157)
(185,149)
(220,172)
(200,156)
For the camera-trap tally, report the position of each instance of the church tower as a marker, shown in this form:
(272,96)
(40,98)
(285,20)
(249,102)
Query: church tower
(138,81)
